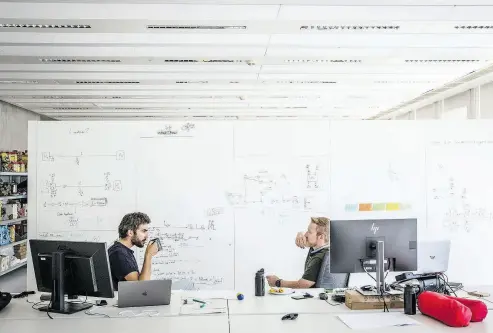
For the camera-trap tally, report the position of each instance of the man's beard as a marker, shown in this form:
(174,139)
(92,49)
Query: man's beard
(137,242)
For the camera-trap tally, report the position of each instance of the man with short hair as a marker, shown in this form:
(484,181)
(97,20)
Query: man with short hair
(317,239)
(132,231)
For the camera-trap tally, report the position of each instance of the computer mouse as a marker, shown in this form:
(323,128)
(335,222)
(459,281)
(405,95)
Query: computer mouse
(290,316)
(323,296)
(367,288)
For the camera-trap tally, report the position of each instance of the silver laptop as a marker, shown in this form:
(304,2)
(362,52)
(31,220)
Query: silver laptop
(433,256)
(144,293)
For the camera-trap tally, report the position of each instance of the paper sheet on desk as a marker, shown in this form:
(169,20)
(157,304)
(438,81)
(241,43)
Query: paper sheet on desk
(195,309)
(376,320)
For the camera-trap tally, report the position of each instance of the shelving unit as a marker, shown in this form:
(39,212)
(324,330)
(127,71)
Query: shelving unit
(13,268)
(13,244)
(14,221)
(17,177)
(20,174)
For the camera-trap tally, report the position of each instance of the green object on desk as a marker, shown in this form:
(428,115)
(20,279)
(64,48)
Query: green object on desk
(199,301)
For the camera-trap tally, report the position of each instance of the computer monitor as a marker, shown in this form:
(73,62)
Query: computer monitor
(373,246)
(73,269)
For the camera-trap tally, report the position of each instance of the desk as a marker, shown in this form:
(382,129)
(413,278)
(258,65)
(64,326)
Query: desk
(21,309)
(321,323)
(216,324)
(282,304)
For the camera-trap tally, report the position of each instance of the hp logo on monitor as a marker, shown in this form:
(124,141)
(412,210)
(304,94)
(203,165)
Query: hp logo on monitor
(374,228)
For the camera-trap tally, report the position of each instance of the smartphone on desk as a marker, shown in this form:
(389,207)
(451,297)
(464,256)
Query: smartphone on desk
(298,297)
(304,296)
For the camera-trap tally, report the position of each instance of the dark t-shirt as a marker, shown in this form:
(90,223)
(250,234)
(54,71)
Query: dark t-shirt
(122,262)
(313,264)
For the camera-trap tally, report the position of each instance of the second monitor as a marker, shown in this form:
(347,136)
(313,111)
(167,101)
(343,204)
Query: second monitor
(358,246)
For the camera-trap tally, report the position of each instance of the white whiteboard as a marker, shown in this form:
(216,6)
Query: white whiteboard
(227,197)
(459,165)
(281,180)
(182,181)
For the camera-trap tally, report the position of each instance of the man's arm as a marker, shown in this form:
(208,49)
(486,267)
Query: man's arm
(299,284)
(308,279)
(145,274)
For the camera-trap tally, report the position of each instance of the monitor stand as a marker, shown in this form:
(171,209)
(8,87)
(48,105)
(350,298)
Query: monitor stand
(57,302)
(380,287)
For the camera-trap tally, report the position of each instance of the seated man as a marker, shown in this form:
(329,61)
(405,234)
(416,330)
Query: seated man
(317,239)
(132,231)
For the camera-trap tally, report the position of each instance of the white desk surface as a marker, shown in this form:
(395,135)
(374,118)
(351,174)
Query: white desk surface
(321,323)
(21,309)
(181,324)
(282,304)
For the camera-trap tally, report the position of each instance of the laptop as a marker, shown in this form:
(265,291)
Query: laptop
(433,256)
(144,293)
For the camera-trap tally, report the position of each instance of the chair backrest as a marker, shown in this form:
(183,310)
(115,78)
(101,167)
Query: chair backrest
(328,280)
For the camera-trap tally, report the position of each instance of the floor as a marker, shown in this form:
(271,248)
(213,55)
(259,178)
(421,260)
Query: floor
(14,282)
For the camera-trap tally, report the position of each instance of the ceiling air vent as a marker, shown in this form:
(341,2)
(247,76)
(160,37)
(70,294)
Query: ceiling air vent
(211,61)
(192,82)
(66,108)
(474,27)
(45,26)
(180,60)
(107,82)
(18,81)
(129,108)
(198,27)
(323,61)
(80,60)
(349,27)
(436,61)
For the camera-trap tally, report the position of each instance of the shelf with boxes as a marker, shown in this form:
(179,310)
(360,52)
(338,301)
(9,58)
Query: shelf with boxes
(13,211)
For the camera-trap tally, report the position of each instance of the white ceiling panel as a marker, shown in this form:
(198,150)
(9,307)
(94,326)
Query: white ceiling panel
(386,13)
(133,38)
(235,58)
(105,11)
(140,51)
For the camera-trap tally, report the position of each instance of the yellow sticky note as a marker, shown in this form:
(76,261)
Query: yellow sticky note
(392,206)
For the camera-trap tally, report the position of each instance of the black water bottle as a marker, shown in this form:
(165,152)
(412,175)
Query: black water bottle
(259,283)
(409,300)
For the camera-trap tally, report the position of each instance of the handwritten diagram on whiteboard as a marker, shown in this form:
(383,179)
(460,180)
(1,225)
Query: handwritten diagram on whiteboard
(84,183)
(459,164)
(182,189)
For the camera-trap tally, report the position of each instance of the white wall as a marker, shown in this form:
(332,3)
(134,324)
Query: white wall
(13,126)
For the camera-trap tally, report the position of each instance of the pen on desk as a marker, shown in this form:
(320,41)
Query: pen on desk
(198,301)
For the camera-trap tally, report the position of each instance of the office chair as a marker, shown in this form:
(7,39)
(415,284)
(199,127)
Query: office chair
(328,280)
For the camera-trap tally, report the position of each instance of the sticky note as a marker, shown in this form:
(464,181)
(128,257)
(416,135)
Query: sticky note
(365,207)
(378,206)
(351,208)
(392,206)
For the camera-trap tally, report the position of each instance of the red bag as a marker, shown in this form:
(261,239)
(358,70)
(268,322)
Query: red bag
(478,309)
(448,311)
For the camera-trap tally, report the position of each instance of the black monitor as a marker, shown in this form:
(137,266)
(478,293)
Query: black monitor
(358,246)
(73,269)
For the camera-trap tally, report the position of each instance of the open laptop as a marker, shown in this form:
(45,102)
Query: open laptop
(144,293)
(433,256)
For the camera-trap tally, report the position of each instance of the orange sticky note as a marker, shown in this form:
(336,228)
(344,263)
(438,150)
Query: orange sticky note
(393,206)
(365,207)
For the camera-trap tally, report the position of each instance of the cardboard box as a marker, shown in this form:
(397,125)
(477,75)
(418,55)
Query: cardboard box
(356,301)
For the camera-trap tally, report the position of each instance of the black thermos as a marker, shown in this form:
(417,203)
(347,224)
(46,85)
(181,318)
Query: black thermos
(259,283)
(409,300)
